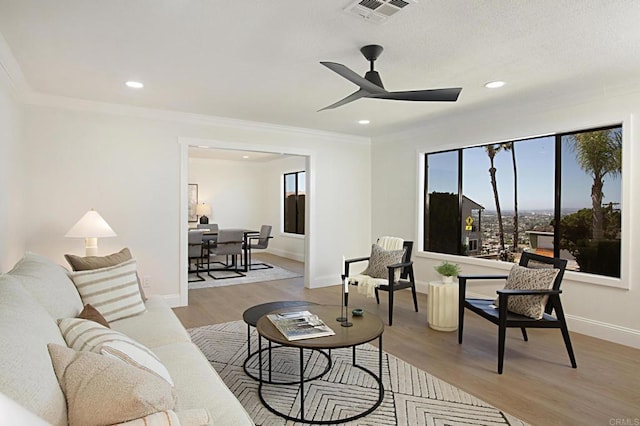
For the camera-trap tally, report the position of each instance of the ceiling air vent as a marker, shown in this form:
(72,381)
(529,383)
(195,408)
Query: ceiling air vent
(376,11)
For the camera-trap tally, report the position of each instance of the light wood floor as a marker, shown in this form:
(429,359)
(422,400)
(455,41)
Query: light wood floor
(538,384)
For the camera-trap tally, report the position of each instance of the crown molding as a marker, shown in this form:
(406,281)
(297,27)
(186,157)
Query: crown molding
(11,74)
(54,101)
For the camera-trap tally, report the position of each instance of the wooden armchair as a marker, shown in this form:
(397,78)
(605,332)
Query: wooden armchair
(504,318)
(406,279)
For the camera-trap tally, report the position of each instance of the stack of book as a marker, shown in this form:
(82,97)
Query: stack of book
(300,325)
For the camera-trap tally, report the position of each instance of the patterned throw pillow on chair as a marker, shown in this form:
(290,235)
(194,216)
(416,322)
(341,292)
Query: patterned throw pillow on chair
(380,259)
(521,278)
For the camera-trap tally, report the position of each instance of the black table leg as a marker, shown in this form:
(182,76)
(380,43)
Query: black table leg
(301,385)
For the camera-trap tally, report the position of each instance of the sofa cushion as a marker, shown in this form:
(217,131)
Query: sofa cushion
(101,390)
(92,314)
(157,326)
(136,356)
(26,375)
(49,284)
(113,291)
(200,386)
(86,335)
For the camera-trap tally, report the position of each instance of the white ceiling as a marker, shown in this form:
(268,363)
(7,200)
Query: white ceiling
(259,60)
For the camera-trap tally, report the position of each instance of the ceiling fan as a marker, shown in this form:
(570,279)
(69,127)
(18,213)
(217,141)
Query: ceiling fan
(371,85)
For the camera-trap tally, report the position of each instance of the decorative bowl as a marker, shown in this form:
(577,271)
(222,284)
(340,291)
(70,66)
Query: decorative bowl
(357,312)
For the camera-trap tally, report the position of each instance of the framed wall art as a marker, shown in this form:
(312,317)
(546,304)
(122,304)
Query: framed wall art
(193,202)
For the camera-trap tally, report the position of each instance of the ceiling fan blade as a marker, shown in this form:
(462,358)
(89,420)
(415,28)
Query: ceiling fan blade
(353,77)
(352,97)
(433,95)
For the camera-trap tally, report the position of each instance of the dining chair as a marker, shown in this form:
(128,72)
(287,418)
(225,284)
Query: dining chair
(259,242)
(195,253)
(229,244)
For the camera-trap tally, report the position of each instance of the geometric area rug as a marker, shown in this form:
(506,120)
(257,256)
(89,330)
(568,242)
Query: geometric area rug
(412,396)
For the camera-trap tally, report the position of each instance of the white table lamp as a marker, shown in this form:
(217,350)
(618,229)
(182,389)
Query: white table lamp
(204,211)
(91,226)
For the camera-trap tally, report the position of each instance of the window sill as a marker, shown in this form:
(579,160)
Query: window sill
(577,277)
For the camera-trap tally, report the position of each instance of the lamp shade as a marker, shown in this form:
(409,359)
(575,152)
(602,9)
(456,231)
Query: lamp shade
(203,209)
(91,225)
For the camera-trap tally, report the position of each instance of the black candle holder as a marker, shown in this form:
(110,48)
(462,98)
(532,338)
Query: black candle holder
(343,319)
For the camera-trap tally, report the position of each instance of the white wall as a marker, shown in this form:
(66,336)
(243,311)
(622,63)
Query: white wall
(11,178)
(248,195)
(127,165)
(598,310)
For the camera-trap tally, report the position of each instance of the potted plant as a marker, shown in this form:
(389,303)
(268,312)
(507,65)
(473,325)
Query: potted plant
(447,271)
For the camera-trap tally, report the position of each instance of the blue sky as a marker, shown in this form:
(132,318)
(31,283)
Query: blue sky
(535,162)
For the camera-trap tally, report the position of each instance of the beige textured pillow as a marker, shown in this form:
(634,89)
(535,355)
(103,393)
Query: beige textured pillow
(92,314)
(113,291)
(380,259)
(521,278)
(89,263)
(103,391)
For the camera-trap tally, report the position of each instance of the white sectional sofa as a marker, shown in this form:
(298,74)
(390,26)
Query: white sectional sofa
(36,293)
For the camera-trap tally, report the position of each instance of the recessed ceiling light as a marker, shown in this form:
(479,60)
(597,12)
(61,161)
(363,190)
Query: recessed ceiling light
(364,121)
(134,84)
(494,84)
(245,156)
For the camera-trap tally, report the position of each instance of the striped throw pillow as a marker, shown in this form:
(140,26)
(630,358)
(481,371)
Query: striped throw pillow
(88,336)
(113,291)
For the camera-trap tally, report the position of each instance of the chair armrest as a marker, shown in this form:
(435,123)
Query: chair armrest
(356,259)
(400,265)
(348,262)
(462,285)
(483,277)
(526,292)
(229,242)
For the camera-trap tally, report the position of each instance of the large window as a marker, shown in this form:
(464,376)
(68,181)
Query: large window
(294,198)
(557,196)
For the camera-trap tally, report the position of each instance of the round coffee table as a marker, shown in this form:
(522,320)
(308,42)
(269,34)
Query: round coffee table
(365,329)
(251,317)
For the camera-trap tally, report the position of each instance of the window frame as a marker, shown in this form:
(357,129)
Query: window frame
(284,202)
(627,211)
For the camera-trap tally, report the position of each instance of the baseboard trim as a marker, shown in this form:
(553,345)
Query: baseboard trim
(589,327)
(173,300)
(326,281)
(286,254)
(605,331)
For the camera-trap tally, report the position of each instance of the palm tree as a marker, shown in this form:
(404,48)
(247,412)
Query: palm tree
(492,150)
(598,153)
(509,146)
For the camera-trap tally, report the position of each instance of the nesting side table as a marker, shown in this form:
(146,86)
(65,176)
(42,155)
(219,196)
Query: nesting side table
(442,306)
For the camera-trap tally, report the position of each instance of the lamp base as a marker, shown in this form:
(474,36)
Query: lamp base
(90,246)
(204,220)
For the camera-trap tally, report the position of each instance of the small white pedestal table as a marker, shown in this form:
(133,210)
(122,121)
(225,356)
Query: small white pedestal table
(442,306)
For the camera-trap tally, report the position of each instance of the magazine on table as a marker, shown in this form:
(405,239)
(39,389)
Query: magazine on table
(300,325)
